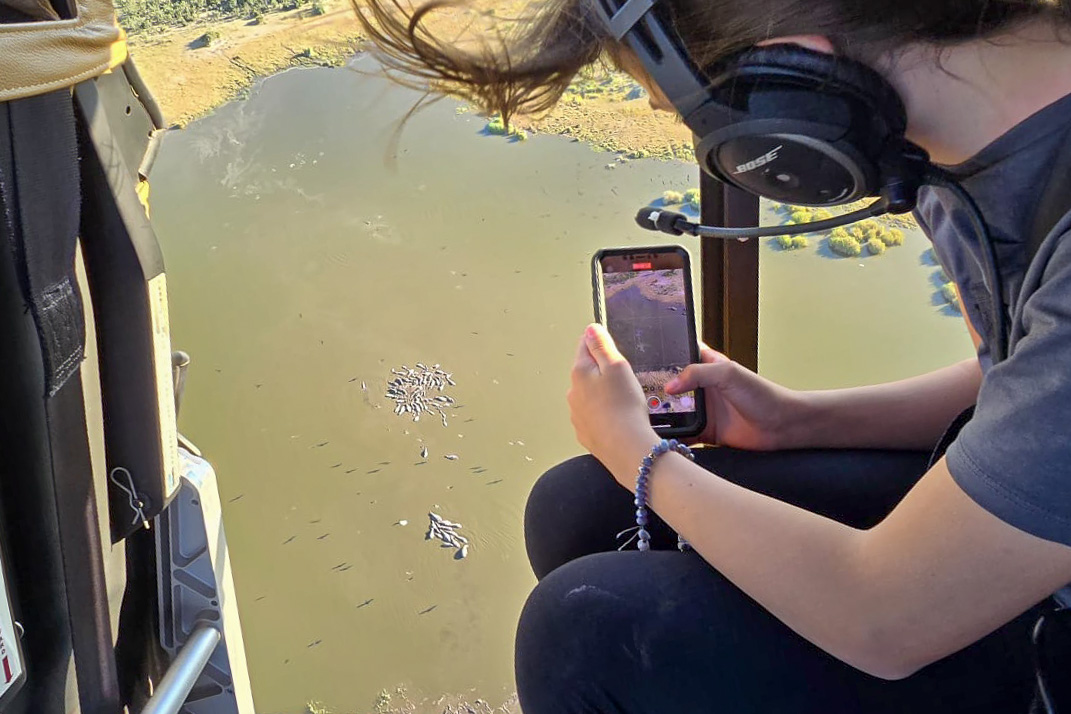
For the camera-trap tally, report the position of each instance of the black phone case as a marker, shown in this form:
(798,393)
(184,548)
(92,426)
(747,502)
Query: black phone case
(596,296)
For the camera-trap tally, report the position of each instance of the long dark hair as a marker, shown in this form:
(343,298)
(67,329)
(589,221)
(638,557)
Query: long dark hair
(524,64)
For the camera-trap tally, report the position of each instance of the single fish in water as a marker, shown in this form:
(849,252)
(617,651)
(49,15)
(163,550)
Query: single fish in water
(451,457)
(423,452)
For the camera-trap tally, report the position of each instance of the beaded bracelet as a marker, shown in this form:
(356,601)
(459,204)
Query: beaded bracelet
(664,446)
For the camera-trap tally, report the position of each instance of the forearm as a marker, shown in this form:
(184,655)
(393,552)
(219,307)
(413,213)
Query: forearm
(909,414)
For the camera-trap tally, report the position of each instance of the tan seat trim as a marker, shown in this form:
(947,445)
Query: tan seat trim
(40,57)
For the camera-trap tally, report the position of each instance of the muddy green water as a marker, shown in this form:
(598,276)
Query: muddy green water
(302,262)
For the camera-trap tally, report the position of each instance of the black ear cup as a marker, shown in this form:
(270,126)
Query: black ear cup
(781,121)
(808,127)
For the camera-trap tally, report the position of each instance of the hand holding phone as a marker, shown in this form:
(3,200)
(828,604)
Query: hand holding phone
(644,298)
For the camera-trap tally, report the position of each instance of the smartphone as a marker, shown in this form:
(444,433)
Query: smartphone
(644,298)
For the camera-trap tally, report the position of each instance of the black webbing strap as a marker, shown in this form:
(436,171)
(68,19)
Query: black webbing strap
(41,201)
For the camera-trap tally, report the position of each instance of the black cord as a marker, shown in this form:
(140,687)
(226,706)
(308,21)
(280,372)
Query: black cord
(999,347)
(1044,697)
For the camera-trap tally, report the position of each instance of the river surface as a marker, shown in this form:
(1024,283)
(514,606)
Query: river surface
(306,257)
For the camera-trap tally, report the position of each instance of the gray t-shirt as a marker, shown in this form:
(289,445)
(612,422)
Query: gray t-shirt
(1014,456)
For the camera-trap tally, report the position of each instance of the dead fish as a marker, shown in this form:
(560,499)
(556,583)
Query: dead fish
(323,536)
(289,539)
(239,497)
(492,483)
(451,457)
(313,644)
(423,452)
(366,602)
(354,380)
(364,387)
(425,612)
(384,463)
(261,598)
(351,471)
(322,443)
(373,471)
(462,552)
(337,465)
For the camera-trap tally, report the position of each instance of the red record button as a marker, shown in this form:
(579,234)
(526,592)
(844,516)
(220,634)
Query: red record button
(654,402)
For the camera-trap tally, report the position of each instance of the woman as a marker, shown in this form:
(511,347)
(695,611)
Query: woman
(835,569)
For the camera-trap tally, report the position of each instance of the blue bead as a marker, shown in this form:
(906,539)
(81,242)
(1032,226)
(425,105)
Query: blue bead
(641,511)
(643,545)
(639,501)
(648,461)
(641,520)
(643,534)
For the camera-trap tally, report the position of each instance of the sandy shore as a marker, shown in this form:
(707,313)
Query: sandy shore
(189,80)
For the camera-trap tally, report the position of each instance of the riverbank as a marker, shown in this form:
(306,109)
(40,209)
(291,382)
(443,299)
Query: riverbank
(195,69)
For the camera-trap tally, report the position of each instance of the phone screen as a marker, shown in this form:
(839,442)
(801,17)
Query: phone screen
(647,308)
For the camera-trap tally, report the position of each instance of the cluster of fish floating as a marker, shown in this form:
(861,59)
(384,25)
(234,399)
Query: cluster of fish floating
(411,391)
(446,531)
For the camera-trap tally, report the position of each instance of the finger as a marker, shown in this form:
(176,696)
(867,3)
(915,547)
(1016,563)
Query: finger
(601,346)
(584,362)
(709,355)
(712,375)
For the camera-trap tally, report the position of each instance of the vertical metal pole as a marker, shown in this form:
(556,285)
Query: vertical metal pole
(730,273)
(180,362)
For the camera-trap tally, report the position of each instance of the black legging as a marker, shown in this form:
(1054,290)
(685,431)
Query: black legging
(663,632)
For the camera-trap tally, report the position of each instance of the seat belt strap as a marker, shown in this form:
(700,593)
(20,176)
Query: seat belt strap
(40,198)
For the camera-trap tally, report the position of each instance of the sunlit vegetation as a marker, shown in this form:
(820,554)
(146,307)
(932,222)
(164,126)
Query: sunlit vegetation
(208,39)
(849,241)
(672,198)
(496,126)
(139,15)
(951,295)
(843,243)
(792,242)
(691,198)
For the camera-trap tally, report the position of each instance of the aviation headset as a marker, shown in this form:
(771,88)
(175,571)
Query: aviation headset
(783,122)
(794,126)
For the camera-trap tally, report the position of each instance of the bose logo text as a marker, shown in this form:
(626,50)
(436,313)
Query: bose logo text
(761,161)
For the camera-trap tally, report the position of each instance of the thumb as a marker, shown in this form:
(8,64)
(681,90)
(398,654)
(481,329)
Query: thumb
(709,355)
(601,346)
(701,375)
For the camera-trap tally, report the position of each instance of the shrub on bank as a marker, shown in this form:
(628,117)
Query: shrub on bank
(950,294)
(496,126)
(208,39)
(792,242)
(672,198)
(691,197)
(843,242)
(875,246)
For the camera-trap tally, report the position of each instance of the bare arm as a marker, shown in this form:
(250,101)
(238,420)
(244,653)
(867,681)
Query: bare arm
(909,414)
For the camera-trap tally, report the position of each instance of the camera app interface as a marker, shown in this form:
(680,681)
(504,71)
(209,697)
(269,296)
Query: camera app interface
(647,315)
